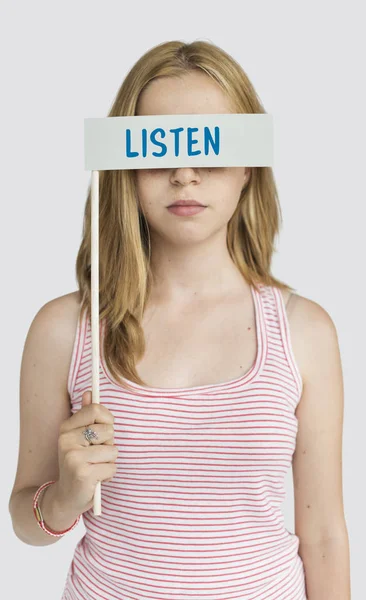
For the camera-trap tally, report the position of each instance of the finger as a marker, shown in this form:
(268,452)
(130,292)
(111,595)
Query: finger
(90,414)
(103,431)
(100,454)
(86,398)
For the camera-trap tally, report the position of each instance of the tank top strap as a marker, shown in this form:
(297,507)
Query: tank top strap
(80,372)
(280,359)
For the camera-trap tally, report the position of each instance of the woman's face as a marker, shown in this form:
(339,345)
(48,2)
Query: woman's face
(218,188)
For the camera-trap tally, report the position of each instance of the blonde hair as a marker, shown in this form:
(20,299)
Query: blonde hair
(125,276)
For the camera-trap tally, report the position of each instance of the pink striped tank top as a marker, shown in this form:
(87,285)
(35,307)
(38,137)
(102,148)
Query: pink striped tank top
(194,510)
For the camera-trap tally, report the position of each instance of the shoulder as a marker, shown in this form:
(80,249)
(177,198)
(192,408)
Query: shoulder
(51,335)
(60,314)
(312,331)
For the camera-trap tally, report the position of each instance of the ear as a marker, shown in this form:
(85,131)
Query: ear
(247,176)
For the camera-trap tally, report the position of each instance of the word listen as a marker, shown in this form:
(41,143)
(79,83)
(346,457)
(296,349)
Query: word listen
(175,140)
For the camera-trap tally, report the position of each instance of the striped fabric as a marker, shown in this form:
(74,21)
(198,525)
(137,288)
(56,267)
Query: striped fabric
(194,510)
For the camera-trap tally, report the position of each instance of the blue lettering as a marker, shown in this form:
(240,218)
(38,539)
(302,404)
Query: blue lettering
(190,142)
(154,141)
(176,139)
(128,145)
(210,142)
(216,149)
(144,143)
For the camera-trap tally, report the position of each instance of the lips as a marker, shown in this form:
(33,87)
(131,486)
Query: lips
(190,202)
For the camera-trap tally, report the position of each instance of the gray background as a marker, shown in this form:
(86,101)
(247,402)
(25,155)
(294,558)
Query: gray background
(64,61)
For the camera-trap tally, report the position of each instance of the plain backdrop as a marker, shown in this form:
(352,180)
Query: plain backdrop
(65,61)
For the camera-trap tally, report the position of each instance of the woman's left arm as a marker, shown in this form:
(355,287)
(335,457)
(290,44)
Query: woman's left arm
(317,462)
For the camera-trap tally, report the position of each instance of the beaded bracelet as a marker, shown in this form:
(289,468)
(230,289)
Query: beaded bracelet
(39,517)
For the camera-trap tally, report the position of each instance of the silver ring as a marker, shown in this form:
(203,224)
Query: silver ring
(89,434)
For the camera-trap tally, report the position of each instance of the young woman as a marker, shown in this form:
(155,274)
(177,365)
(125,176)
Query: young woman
(214,378)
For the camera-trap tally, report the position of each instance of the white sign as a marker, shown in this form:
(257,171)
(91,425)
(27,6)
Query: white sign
(166,141)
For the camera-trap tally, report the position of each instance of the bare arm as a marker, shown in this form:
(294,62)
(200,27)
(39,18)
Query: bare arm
(317,463)
(25,525)
(44,405)
(327,569)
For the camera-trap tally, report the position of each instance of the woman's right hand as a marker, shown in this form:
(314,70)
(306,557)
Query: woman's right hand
(83,464)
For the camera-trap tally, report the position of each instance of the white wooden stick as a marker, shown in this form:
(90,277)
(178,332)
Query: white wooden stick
(97,507)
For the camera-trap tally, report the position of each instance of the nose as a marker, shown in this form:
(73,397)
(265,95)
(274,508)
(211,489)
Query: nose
(184,175)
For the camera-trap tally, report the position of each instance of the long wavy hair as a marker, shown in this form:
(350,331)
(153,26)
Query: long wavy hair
(125,276)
